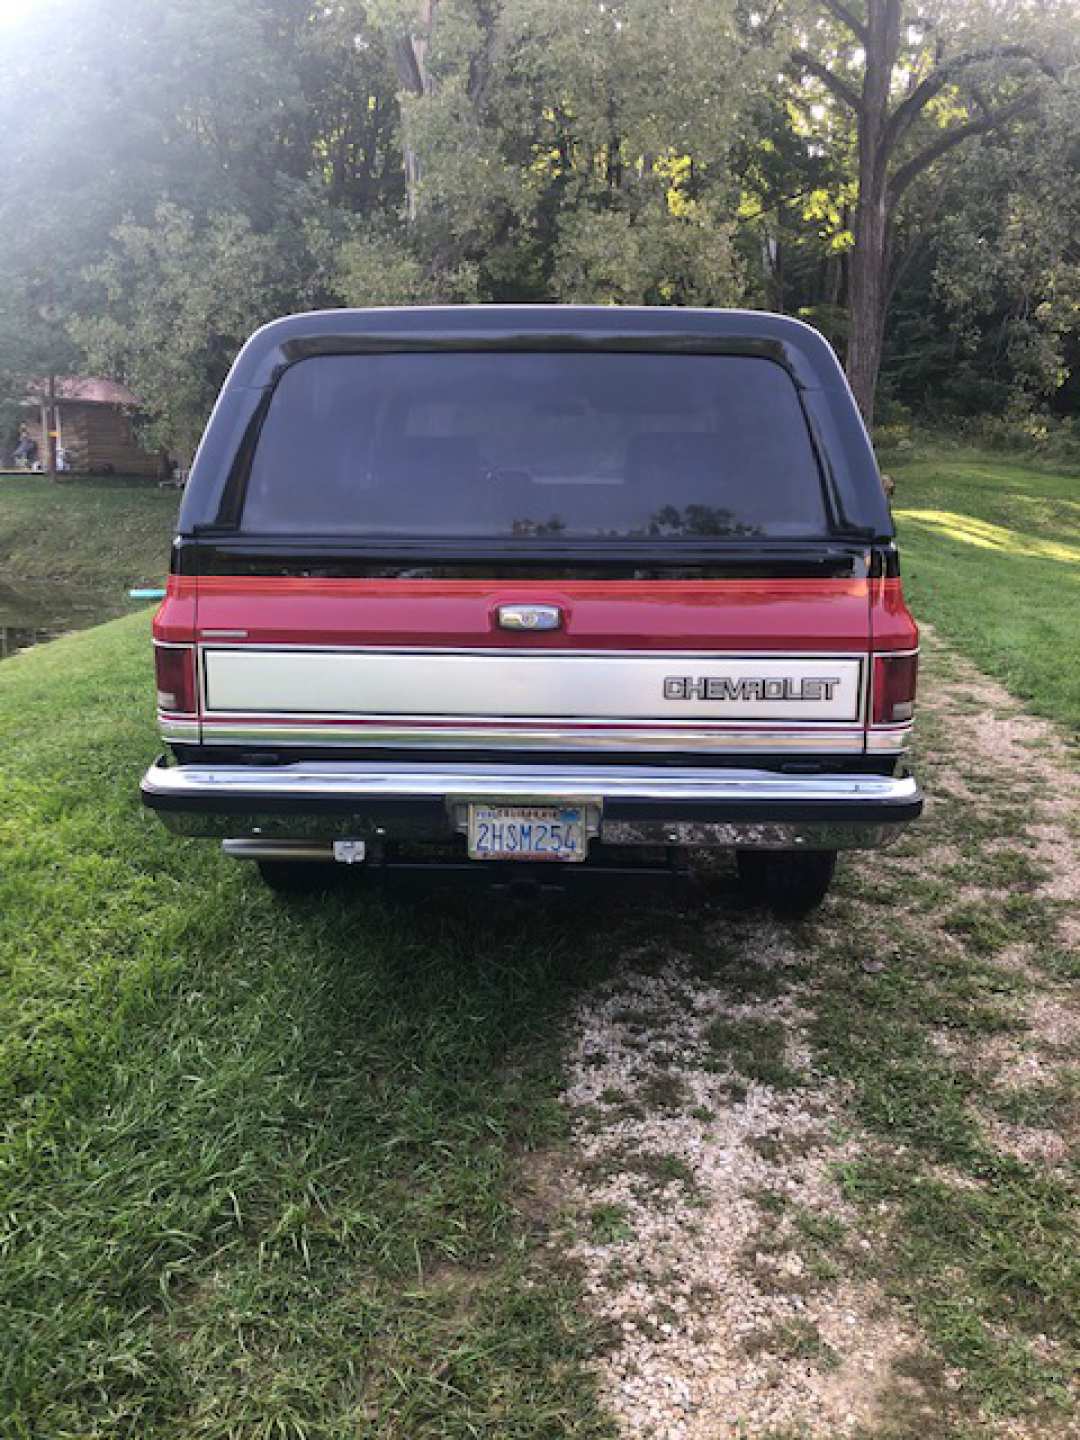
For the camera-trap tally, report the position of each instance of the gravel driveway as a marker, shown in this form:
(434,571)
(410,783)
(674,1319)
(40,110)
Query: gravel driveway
(755,1104)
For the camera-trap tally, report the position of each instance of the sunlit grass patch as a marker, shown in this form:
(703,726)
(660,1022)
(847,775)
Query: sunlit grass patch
(990,554)
(953,526)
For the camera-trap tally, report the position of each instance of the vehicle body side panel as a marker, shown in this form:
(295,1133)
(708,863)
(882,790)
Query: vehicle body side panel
(175,620)
(808,616)
(891,623)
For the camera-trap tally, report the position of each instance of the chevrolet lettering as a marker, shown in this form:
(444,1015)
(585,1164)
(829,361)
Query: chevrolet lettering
(723,687)
(533,590)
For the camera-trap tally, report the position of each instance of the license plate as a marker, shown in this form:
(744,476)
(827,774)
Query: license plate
(527,832)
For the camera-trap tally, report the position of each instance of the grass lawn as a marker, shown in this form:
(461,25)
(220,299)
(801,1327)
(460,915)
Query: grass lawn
(256,1162)
(991,556)
(265,1169)
(70,550)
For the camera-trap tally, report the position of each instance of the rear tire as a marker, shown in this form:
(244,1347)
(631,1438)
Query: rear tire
(299,877)
(789,882)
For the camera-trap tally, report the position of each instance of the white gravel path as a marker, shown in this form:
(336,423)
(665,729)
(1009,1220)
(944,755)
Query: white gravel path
(726,1322)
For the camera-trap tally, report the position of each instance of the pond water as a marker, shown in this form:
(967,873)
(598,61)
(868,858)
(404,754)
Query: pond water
(14,638)
(34,614)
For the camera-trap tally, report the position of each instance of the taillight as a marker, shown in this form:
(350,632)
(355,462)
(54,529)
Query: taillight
(174,666)
(895,677)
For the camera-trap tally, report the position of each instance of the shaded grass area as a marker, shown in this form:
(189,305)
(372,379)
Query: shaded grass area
(71,549)
(257,1161)
(991,556)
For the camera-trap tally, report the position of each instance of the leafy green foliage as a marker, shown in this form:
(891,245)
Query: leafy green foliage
(186,171)
(181,298)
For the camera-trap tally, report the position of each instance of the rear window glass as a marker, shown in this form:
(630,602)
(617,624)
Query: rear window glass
(597,446)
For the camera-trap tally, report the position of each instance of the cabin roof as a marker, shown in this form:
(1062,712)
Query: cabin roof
(86,389)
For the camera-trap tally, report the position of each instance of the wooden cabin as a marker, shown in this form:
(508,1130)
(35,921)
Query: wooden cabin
(93,421)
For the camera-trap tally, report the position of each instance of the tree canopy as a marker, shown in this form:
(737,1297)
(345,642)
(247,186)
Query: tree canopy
(903,173)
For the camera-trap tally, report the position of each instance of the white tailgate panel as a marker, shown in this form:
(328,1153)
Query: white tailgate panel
(600,686)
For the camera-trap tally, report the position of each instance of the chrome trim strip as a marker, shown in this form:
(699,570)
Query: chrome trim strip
(183,731)
(888,742)
(253,721)
(676,736)
(657,653)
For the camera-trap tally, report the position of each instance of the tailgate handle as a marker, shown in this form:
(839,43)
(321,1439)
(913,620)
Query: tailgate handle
(529,617)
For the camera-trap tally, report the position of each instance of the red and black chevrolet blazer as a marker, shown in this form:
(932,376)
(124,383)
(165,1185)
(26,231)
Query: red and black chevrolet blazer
(536,582)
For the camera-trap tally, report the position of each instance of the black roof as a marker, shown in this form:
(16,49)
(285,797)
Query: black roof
(550,327)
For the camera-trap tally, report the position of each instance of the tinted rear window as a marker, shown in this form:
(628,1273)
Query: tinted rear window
(508,444)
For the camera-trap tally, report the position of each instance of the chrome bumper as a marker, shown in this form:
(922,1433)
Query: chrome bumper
(638,804)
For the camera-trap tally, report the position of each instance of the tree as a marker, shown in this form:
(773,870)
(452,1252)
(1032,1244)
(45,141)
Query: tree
(920,81)
(630,108)
(984,315)
(178,297)
(188,169)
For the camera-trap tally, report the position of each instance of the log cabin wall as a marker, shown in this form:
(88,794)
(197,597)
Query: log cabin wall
(97,439)
(74,428)
(110,441)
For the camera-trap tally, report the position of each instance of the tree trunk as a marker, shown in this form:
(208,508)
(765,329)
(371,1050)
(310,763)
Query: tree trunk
(881,128)
(866,310)
(869,259)
(410,58)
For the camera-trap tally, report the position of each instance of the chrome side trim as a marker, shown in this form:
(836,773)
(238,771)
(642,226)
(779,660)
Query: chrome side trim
(180,731)
(674,736)
(889,742)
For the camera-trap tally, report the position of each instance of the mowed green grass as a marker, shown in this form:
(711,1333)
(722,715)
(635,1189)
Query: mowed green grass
(72,549)
(265,1169)
(990,554)
(274,1170)
(257,1161)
